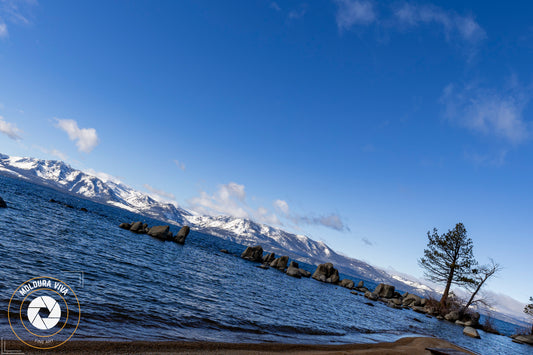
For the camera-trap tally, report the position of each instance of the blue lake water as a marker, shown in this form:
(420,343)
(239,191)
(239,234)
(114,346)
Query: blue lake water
(138,288)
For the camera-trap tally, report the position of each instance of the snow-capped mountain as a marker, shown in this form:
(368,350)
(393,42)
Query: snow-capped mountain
(58,175)
(61,176)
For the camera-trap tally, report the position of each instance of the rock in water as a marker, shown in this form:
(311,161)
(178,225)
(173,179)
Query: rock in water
(182,235)
(371,296)
(304,273)
(280,263)
(326,273)
(253,254)
(410,299)
(269,258)
(524,339)
(125,226)
(452,316)
(137,227)
(347,283)
(294,270)
(471,332)
(3,203)
(361,284)
(159,232)
(384,290)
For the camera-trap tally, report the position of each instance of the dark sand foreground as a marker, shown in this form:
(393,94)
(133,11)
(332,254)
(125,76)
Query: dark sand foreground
(410,345)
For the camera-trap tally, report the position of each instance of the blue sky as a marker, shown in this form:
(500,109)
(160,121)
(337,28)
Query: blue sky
(360,123)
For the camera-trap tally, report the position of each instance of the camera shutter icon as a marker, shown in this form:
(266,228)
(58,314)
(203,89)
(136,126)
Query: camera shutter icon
(35,314)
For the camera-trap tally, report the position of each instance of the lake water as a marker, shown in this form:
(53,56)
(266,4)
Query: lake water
(135,287)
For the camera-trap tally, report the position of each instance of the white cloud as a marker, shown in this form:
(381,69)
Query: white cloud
(355,12)
(398,16)
(367,241)
(228,200)
(283,206)
(3,30)
(332,221)
(105,177)
(413,15)
(9,129)
(86,138)
(497,113)
(54,152)
(275,6)
(160,195)
(179,164)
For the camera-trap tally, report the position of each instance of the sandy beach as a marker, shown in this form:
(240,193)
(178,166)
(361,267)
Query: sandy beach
(408,345)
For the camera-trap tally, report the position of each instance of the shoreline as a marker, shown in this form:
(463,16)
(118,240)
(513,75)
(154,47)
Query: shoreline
(407,345)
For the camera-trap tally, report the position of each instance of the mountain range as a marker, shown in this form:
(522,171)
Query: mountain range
(61,176)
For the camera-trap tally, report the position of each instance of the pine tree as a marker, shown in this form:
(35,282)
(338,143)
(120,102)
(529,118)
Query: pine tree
(449,259)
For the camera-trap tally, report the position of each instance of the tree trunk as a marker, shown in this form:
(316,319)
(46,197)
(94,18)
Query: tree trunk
(472,297)
(447,289)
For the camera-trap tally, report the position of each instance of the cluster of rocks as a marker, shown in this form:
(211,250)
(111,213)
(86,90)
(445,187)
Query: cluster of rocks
(255,254)
(3,203)
(388,295)
(159,232)
(383,292)
(523,339)
(83,209)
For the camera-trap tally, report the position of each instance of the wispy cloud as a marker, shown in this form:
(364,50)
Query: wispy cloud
(15,12)
(53,152)
(355,13)
(105,177)
(332,221)
(274,5)
(86,138)
(400,16)
(367,241)
(412,15)
(230,199)
(160,195)
(491,112)
(9,129)
(180,165)
(282,206)
(292,14)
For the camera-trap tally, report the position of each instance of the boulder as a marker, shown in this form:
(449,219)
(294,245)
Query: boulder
(326,273)
(411,300)
(183,233)
(137,227)
(304,273)
(3,203)
(371,296)
(83,209)
(263,266)
(253,253)
(347,283)
(423,302)
(125,226)
(524,339)
(159,232)
(225,251)
(392,304)
(361,284)
(452,316)
(418,309)
(384,290)
(458,322)
(280,263)
(471,332)
(269,258)
(293,270)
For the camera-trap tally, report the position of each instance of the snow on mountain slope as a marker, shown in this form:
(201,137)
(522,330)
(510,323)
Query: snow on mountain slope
(58,175)
(61,176)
